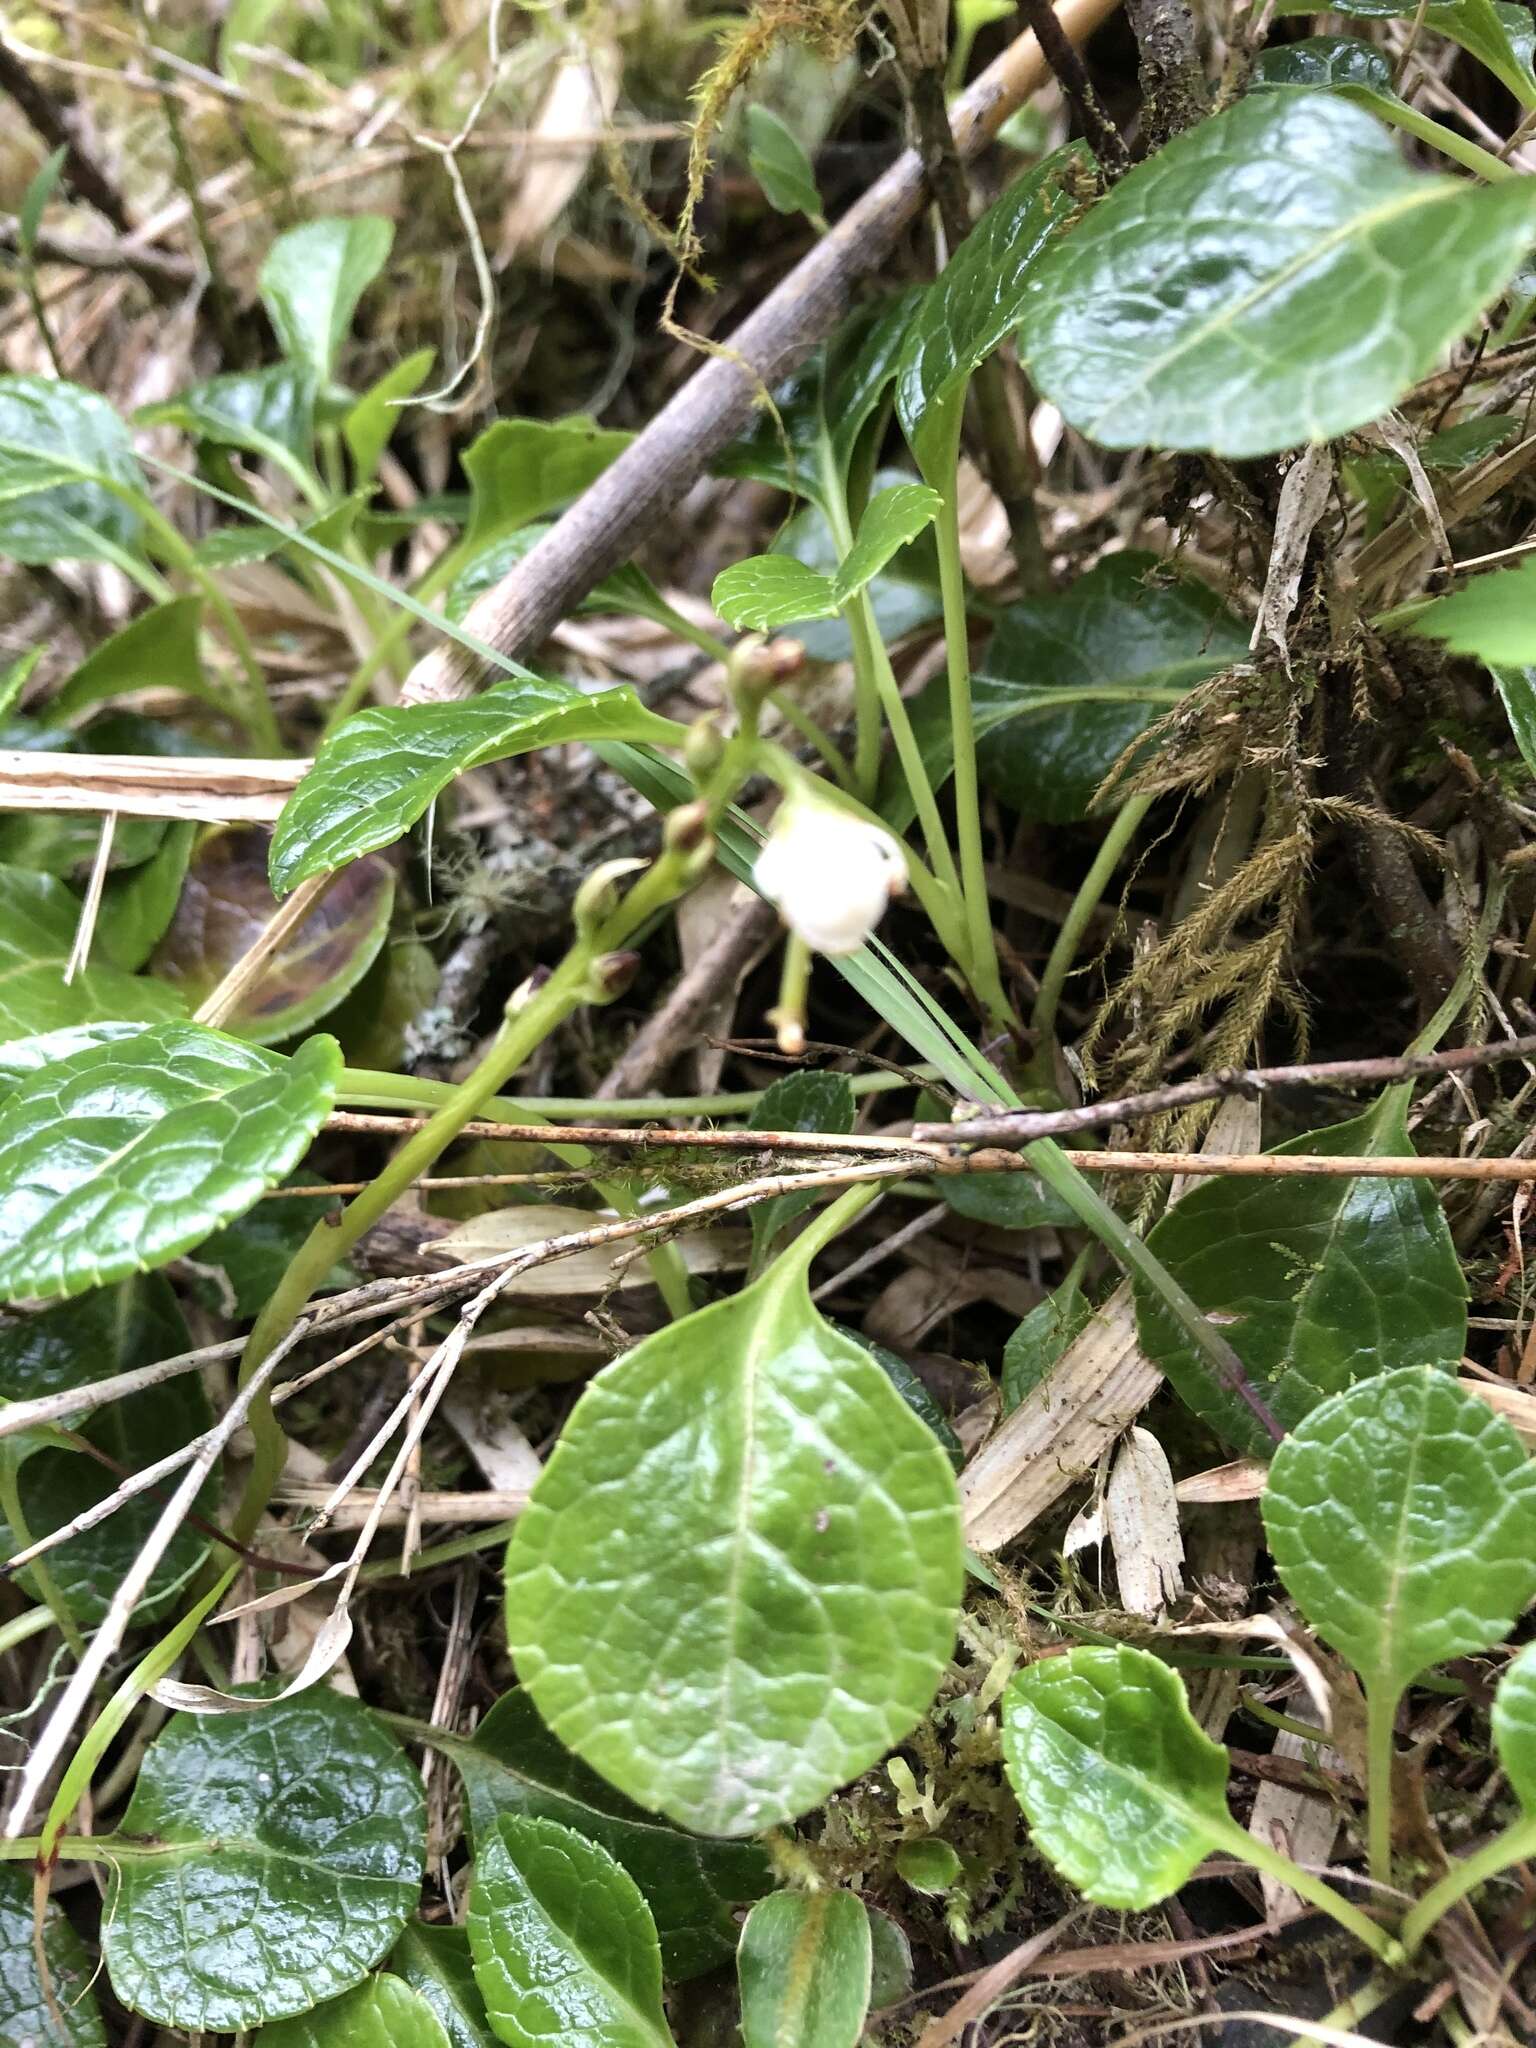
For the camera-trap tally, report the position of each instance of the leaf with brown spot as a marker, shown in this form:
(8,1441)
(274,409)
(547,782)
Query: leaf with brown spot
(226,903)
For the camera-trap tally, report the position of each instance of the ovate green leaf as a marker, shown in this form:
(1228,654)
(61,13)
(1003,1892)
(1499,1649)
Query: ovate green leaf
(376,777)
(369,426)
(521,469)
(1514,1726)
(797,1102)
(768,591)
(25,2012)
(734,1586)
(896,516)
(158,648)
(383,2012)
(1069,681)
(1122,1789)
(1317,1283)
(226,903)
(37,934)
(1401,1516)
(1040,1339)
(975,304)
(295,1848)
(65,463)
(138,904)
(1493,617)
(1497,32)
(1517,693)
(780,164)
(563,1943)
(122,1156)
(312,280)
(692,1883)
(804,1967)
(1187,312)
(435,1961)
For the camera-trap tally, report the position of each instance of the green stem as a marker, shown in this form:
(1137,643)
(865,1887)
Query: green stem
(1380,1714)
(1315,1890)
(86,1849)
(568,987)
(1122,830)
(985,977)
(799,1254)
(42,1577)
(1387,107)
(1517,1844)
(800,720)
(393,637)
(868,692)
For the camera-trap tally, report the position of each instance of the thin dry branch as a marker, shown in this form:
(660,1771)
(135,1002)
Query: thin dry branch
(207,791)
(1022,1127)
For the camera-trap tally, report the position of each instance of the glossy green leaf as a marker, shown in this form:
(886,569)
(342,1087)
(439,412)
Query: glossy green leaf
(312,280)
(692,1883)
(267,413)
(1493,617)
(436,1962)
(862,359)
(1070,680)
(797,1102)
(780,164)
(383,2012)
(1517,693)
(768,591)
(976,302)
(913,1390)
(159,648)
(383,768)
(122,1156)
(37,935)
(519,470)
(1514,1726)
(563,1943)
(110,1330)
(1401,1516)
(892,519)
(295,1849)
(22,1058)
(56,1485)
(804,1967)
(137,906)
(1122,1789)
(1322,62)
(735,1583)
(227,902)
(67,472)
(1316,1283)
(1040,1340)
(904,596)
(1184,314)
(1498,33)
(26,2016)
(369,427)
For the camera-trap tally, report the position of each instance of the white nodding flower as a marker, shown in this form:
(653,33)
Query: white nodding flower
(829,875)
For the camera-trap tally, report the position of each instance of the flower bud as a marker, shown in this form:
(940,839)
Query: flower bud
(829,874)
(759,665)
(598,897)
(687,828)
(610,975)
(704,748)
(525,991)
